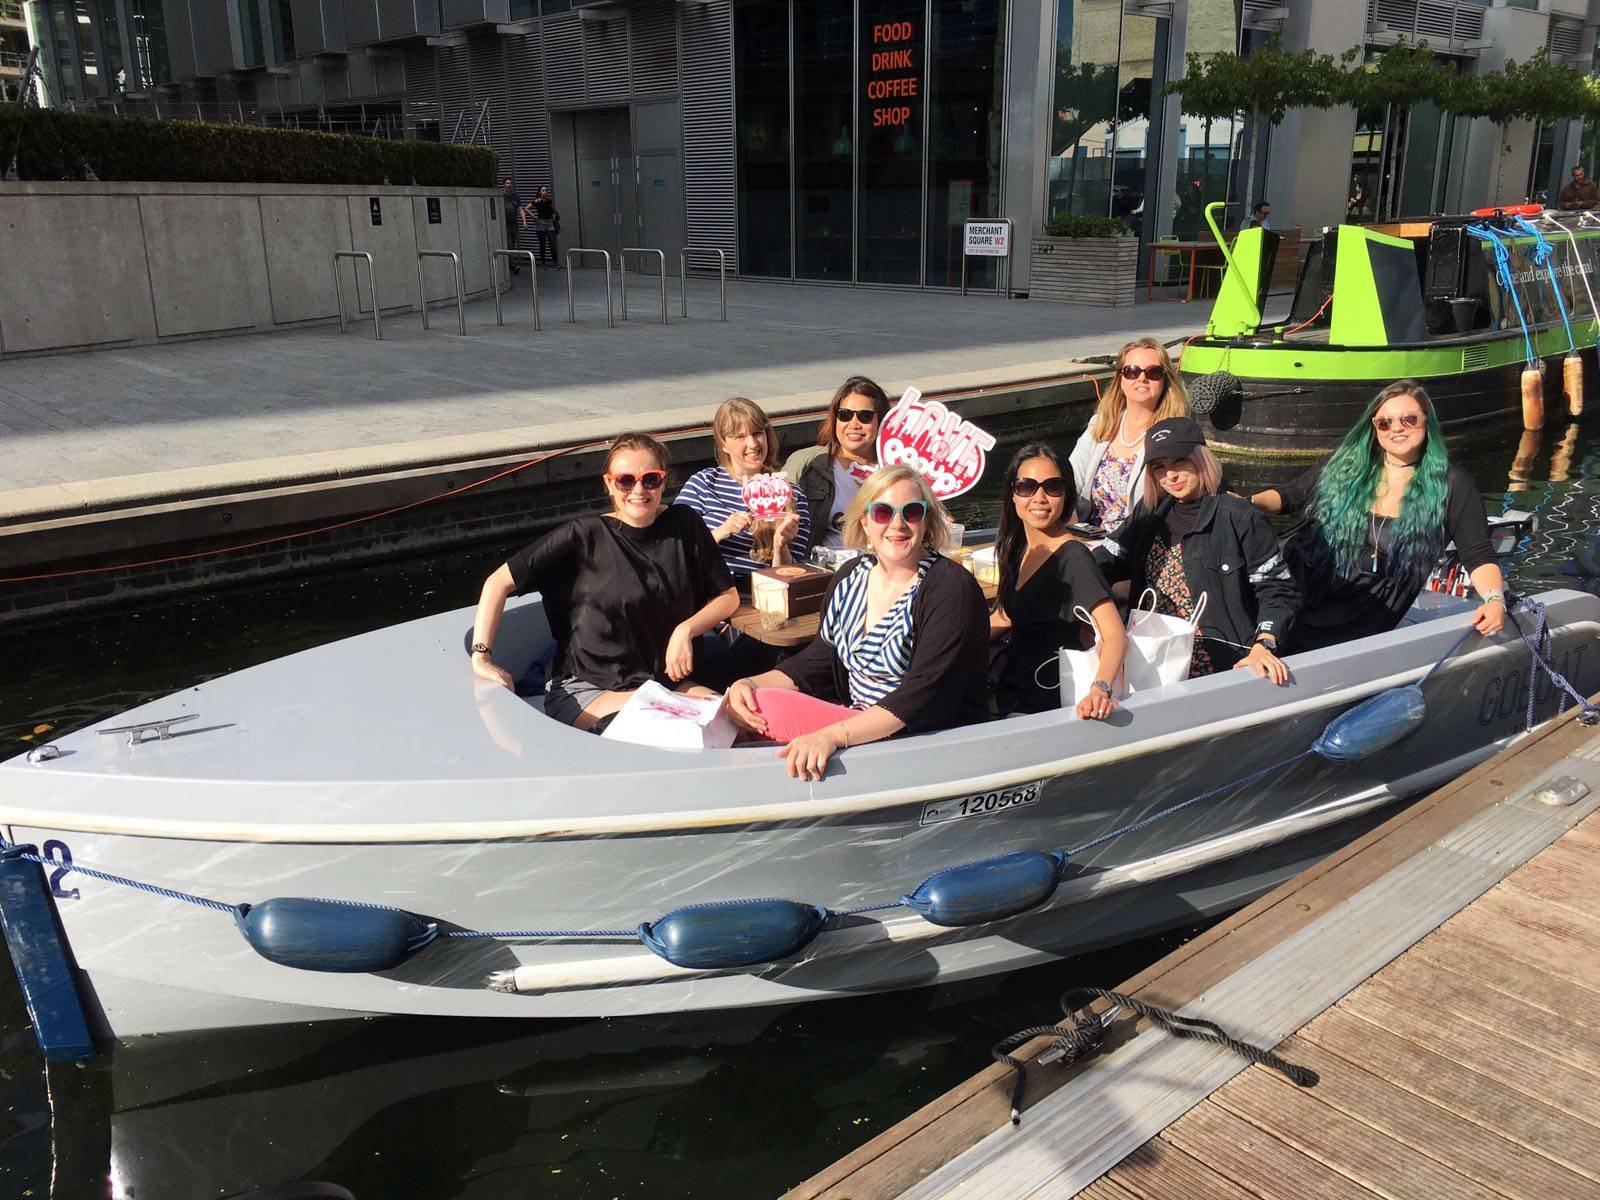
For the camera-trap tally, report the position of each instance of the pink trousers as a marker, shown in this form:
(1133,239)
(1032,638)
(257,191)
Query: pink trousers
(789,714)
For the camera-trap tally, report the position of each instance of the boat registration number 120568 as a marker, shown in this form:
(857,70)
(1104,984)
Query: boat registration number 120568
(981,804)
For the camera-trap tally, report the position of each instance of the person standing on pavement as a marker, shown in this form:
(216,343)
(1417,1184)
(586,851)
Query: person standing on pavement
(546,225)
(511,203)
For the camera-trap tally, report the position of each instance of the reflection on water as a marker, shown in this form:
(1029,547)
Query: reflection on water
(739,1104)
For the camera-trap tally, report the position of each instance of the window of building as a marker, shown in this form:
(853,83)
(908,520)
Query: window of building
(965,102)
(761,83)
(824,138)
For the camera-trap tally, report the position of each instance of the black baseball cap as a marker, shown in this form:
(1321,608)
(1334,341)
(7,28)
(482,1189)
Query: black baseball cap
(1175,437)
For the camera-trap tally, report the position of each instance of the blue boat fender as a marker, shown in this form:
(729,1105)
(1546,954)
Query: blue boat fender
(327,935)
(39,953)
(1373,725)
(976,892)
(733,933)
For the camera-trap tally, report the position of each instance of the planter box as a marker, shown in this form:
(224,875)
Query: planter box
(1097,271)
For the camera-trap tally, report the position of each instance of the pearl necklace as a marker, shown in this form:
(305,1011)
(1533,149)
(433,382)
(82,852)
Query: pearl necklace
(1122,426)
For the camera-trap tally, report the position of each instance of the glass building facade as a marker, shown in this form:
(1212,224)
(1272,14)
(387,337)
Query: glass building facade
(867,133)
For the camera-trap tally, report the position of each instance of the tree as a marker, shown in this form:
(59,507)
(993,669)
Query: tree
(1537,90)
(1266,82)
(1086,95)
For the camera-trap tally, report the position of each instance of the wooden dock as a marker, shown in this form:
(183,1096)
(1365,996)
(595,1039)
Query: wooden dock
(1441,976)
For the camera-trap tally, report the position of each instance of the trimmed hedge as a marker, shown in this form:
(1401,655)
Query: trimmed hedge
(1083,226)
(50,144)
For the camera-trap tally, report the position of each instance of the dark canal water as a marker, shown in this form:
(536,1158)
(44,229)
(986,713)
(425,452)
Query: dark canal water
(735,1105)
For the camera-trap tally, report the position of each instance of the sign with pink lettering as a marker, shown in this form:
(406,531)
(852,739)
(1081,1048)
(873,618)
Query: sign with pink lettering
(947,449)
(768,496)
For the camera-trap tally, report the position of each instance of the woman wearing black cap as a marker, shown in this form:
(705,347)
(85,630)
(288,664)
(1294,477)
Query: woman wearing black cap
(1186,538)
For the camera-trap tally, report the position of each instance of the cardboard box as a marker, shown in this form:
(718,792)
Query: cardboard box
(792,591)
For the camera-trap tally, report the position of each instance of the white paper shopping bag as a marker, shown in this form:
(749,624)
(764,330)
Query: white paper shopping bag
(654,716)
(1080,668)
(1159,647)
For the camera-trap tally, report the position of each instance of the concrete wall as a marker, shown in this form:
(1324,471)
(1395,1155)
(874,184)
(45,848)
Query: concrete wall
(1311,190)
(118,264)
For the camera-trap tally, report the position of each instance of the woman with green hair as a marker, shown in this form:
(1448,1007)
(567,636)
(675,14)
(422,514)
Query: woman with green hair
(1379,511)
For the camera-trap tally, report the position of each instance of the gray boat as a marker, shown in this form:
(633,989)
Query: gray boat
(377,770)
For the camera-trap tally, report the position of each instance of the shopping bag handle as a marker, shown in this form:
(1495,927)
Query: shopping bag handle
(1083,615)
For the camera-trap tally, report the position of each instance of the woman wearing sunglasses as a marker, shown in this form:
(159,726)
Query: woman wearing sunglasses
(1046,575)
(903,645)
(1108,461)
(1379,512)
(1187,538)
(831,472)
(627,594)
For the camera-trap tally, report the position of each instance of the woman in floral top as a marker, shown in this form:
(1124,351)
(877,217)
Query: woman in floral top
(1187,539)
(1108,461)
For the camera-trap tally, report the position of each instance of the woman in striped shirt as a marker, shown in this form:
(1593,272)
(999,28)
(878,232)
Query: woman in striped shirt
(904,644)
(745,447)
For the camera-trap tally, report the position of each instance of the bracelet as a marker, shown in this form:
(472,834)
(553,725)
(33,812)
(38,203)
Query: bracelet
(481,648)
(1101,685)
(845,733)
(1495,596)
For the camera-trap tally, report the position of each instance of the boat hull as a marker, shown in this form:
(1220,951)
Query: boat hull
(154,964)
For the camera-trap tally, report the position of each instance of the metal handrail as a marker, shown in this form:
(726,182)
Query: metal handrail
(622,261)
(372,286)
(494,284)
(572,309)
(461,286)
(683,275)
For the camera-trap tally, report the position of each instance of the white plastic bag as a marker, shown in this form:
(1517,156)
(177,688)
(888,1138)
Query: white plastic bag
(654,716)
(1159,647)
(1079,668)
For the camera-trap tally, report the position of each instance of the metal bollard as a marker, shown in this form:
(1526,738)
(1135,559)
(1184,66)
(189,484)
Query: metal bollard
(533,276)
(372,286)
(461,287)
(622,260)
(572,309)
(683,275)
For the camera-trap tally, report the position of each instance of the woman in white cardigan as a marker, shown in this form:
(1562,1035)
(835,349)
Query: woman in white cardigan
(1108,461)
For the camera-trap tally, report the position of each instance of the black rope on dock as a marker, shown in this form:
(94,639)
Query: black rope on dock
(1088,1032)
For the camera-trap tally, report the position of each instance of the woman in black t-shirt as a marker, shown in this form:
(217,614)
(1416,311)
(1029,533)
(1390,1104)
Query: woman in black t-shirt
(1045,574)
(1379,512)
(627,594)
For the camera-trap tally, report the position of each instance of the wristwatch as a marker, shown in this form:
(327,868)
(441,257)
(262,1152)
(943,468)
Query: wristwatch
(1101,685)
(1270,641)
(480,648)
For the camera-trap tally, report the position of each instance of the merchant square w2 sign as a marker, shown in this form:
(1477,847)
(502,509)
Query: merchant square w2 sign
(988,239)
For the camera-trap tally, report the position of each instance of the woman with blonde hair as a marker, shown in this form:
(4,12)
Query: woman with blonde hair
(904,643)
(745,446)
(1108,461)
(628,594)
(1187,539)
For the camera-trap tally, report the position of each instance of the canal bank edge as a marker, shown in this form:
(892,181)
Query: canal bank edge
(181,530)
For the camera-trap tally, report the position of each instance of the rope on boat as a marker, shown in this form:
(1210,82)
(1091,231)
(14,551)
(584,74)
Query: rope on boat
(1502,262)
(390,934)
(1542,250)
(1088,1032)
(1583,274)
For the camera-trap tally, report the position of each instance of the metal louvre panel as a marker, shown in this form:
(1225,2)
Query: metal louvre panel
(653,32)
(1565,36)
(455,91)
(605,59)
(421,85)
(530,117)
(486,53)
(1398,15)
(1469,23)
(1436,19)
(563,60)
(705,40)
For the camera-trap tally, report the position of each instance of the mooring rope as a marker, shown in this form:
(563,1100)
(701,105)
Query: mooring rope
(1542,250)
(1088,1032)
(1502,262)
(1582,268)
(1537,645)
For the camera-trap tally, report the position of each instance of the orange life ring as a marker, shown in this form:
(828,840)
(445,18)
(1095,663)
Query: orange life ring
(1511,210)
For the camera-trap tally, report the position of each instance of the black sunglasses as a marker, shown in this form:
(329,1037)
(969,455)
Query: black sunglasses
(865,415)
(649,481)
(1154,374)
(1055,487)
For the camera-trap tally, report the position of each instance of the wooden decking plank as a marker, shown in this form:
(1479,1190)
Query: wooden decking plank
(1532,912)
(1481,1154)
(1296,1117)
(1587,835)
(1443,1081)
(1530,1072)
(1104,1189)
(1453,950)
(1158,1170)
(1256,1161)
(1549,952)
(1565,875)
(1529,1025)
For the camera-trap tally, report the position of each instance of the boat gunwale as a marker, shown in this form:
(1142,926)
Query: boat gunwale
(808,809)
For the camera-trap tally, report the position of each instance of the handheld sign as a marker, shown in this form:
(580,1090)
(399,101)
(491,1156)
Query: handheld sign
(946,449)
(768,496)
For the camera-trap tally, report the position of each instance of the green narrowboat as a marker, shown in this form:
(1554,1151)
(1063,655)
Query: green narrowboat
(1464,304)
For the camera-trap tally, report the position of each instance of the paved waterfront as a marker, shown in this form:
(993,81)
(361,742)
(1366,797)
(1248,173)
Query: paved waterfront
(73,419)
